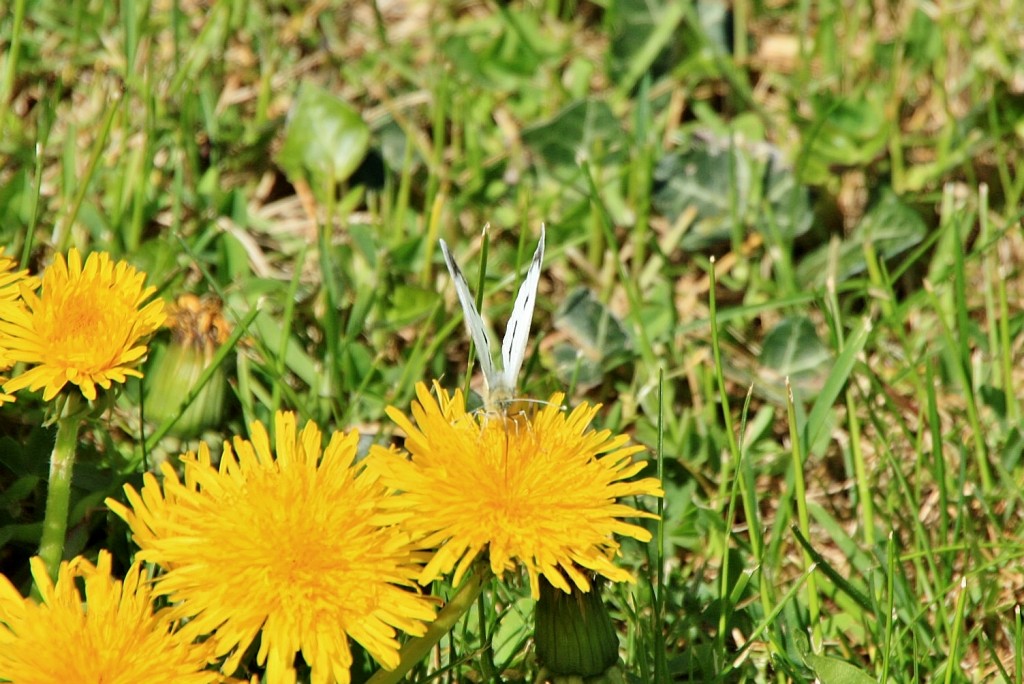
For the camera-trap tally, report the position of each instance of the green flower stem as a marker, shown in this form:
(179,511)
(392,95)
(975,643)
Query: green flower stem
(414,650)
(58,491)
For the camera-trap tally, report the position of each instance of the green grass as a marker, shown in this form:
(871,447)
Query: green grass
(844,213)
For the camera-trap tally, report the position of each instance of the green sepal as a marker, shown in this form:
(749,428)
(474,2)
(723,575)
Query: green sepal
(573,634)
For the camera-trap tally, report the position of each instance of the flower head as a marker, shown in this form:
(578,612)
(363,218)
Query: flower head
(86,326)
(114,637)
(541,490)
(11,282)
(293,545)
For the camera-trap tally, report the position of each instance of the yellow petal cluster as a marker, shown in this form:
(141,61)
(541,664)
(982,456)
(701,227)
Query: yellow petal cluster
(11,282)
(285,544)
(542,490)
(109,634)
(86,326)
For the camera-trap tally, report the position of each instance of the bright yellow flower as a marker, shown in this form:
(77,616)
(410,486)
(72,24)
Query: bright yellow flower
(85,327)
(11,282)
(114,637)
(295,546)
(542,490)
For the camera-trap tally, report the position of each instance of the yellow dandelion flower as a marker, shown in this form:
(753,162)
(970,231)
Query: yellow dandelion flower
(85,327)
(291,545)
(11,282)
(540,490)
(109,635)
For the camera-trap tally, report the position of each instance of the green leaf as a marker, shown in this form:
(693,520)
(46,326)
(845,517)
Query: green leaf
(847,131)
(17,491)
(325,139)
(396,149)
(514,629)
(591,325)
(835,671)
(793,349)
(923,44)
(890,225)
(574,368)
(595,335)
(410,303)
(15,195)
(817,420)
(706,178)
(645,38)
(502,51)
(730,186)
(356,364)
(785,209)
(268,329)
(575,129)
(31,458)
(825,568)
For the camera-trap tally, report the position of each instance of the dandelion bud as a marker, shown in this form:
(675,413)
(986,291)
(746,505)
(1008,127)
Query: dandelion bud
(574,635)
(198,329)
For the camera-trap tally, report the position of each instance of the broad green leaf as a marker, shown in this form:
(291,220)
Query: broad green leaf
(835,671)
(591,325)
(1012,450)
(409,303)
(560,140)
(32,458)
(325,139)
(890,225)
(784,212)
(715,18)
(585,129)
(645,39)
(503,51)
(793,349)
(594,334)
(707,177)
(922,43)
(396,149)
(733,187)
(847,131)
(574,368)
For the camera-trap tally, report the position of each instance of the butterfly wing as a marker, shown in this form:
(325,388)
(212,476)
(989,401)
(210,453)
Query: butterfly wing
(474,322)
(517,333)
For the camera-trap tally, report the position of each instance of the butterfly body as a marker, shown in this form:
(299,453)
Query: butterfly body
(500,384)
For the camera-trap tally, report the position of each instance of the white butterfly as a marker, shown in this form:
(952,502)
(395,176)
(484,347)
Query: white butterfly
(500,385)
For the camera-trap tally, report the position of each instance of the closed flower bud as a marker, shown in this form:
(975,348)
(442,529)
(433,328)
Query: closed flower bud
(574,635)
(197,331)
